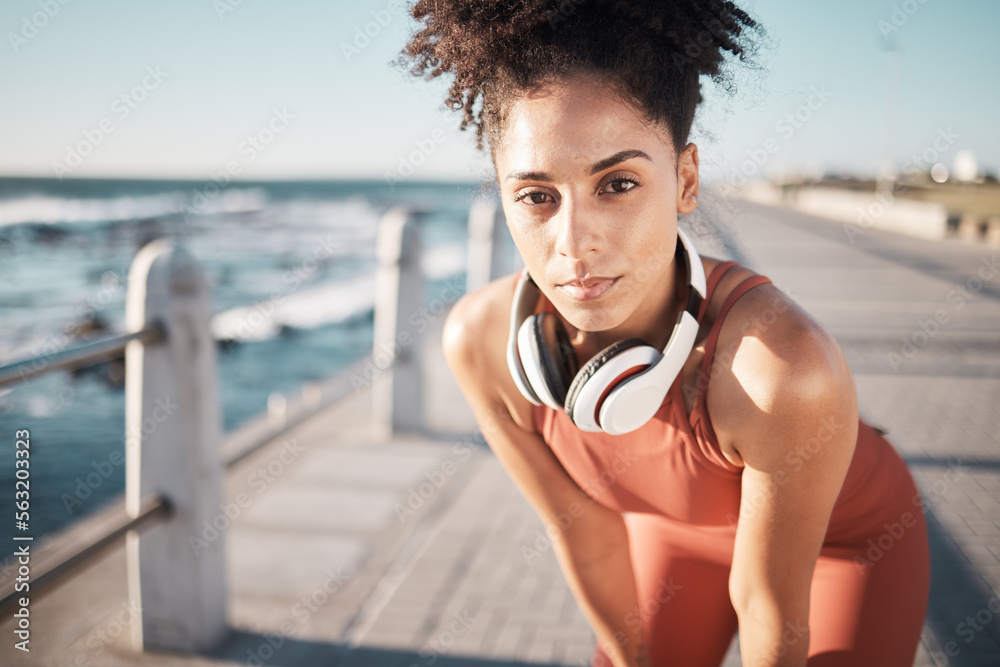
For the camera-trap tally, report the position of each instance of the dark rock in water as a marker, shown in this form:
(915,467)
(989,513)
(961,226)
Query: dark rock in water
(286,331)
(91,324)
(90,328)
(111,373)
(48,234)
(114,374)
(148,230)
(227,344)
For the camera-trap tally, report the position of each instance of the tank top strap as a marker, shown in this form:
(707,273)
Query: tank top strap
(713,281)
(713,336)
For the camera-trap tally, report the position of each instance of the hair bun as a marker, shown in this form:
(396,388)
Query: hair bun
(655,50)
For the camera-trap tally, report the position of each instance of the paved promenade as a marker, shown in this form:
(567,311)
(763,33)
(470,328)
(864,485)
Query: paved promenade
(421,552)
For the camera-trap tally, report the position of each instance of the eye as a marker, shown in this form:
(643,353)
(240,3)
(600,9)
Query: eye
(534,197)
(621,183)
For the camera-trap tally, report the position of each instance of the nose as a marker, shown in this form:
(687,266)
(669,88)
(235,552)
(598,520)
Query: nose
(577,231)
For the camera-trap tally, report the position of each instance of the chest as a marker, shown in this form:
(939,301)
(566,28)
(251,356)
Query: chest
(658,468)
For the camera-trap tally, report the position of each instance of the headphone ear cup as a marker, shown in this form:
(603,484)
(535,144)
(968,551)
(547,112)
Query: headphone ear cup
(555,353)
(591,367)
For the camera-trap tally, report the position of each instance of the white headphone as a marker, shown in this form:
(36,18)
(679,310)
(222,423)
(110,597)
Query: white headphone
(623,386)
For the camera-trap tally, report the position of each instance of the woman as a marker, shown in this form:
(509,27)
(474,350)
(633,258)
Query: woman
(750,496)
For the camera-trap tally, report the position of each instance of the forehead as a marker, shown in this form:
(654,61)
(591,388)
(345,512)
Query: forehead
(576,117)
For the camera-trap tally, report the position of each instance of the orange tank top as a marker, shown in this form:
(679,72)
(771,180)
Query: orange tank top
(673,465)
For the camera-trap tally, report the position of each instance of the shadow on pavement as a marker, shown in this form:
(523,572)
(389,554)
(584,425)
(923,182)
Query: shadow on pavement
(962,610)
(256,650)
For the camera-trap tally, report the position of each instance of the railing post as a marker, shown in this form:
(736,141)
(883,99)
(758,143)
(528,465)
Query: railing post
(968,227)
(488,254)
(397,390)
(993,231)
(173,426)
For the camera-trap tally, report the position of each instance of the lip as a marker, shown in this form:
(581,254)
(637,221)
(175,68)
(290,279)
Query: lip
(594,289)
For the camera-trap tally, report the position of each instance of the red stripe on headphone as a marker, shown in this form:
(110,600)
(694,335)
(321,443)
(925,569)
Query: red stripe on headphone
(635,370)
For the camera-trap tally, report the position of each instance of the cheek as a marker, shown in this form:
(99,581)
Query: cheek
(640,238)
(529,240)
(650,252)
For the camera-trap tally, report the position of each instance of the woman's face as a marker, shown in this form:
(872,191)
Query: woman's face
(591,194)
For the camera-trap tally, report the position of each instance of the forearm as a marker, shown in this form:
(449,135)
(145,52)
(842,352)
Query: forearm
(604,586)
(774,642)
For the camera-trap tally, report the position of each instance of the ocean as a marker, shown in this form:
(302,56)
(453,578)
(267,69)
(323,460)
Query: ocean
(65,251)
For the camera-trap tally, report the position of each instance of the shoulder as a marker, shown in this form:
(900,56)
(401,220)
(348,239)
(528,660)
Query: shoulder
(776,375)
(474,342)
(479,321)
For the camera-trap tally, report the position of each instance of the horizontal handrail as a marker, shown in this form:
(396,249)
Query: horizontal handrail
(66,562)
(82,355)
(114,523)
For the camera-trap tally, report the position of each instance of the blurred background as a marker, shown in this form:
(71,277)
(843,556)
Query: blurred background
(259,132)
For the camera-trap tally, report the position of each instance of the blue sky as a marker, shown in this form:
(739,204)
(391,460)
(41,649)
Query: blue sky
(213,73)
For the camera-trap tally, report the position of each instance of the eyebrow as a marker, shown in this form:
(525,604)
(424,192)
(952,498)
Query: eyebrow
(601,165)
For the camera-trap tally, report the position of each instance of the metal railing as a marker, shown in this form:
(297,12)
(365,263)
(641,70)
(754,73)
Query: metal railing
(80,356)
(169,353)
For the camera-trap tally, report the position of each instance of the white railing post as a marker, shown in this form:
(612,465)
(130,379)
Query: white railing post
(993,231)
(397,389)
(173,427)
(489,256)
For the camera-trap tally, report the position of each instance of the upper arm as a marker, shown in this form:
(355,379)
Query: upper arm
(470,343)
(797,433)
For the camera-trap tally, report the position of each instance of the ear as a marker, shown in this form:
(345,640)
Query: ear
(687,179)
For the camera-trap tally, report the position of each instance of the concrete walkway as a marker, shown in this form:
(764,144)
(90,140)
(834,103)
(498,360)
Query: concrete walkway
(421,551)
